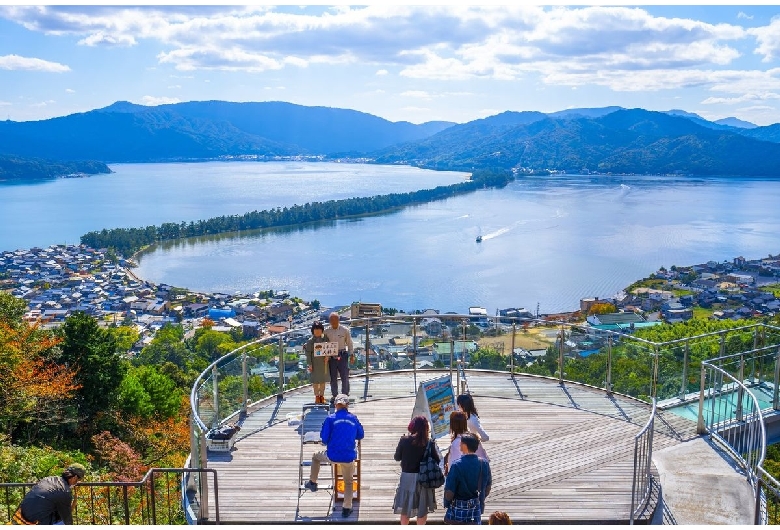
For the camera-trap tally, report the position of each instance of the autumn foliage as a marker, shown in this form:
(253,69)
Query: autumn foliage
(35,388)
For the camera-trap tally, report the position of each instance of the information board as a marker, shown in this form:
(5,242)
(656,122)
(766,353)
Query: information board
(436,400)
(326,349)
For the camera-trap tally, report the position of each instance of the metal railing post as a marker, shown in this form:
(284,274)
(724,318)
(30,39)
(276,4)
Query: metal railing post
(776,387)
(741,391)
(414,352)
(368,363)
(512,353)
(560,356)
(609,365)
(244,383)
(280,395)
(686,358)
(700,426)
(656,357)
(215,382)
(452,358)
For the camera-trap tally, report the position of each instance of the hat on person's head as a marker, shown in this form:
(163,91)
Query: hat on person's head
(342,399)
(77,470)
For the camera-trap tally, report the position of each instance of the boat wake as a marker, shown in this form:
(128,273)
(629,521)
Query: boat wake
(502,231)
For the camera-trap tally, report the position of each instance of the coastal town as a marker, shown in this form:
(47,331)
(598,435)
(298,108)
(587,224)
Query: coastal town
(62,279)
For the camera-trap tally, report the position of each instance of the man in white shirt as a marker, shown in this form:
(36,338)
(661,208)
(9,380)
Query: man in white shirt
(339,366)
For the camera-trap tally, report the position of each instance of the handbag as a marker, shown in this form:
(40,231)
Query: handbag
(466,511)
(430,475)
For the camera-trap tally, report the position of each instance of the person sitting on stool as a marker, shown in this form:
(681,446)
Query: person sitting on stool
(339,366)
(339,433)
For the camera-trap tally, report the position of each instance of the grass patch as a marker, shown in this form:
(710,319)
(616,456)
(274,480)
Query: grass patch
(702,313)
(773,288)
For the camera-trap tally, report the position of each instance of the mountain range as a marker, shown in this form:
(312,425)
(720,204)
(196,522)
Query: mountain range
(621,141)
(607,139)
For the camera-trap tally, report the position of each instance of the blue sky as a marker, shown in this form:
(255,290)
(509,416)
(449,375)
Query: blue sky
(415,63)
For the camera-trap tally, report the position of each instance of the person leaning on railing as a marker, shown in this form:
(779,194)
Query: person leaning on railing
(50,501)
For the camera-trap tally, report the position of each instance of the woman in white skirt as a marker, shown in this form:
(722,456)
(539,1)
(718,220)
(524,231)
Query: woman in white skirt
(411,499)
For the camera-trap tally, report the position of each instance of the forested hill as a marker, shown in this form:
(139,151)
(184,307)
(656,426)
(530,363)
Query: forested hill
(124,132)
(14,168)
(624,141)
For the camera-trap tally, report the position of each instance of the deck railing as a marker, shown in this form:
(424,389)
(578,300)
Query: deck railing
(767,498)
(731,414)
(642,483)
(163,496)
(662,372)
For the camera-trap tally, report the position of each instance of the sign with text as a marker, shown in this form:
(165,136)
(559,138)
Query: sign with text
(326,349)
(436,400)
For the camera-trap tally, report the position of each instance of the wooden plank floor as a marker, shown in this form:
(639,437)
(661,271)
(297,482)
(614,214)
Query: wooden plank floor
(557,454)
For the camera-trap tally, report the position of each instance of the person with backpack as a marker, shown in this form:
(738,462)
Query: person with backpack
(468,484)
(412,499)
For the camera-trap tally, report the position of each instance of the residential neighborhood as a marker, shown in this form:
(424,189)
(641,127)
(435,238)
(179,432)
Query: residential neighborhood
(59,280)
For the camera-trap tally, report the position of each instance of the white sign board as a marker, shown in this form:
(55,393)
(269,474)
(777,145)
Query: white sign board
(326,349)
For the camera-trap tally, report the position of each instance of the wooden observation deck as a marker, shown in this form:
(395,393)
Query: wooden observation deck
(559,454)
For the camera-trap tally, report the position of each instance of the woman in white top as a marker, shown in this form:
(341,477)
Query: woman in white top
(466,404)
(458,424)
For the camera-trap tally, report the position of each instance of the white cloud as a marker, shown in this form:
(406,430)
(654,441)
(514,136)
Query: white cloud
(755,108)
(174,86)
(17,62)
(416,109)
(5,103)
(436,42)
(744,15)
(416,94)
(162,100)
(70,91)
(101,39)
(741,99)
(768,40)
(41,104)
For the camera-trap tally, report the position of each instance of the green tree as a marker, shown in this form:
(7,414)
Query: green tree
(146,392)
(125,336)
(12,309)
(93,351)
(167,346)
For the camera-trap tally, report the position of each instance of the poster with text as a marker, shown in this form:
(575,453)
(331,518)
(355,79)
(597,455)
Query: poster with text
(436,400)
(326,349)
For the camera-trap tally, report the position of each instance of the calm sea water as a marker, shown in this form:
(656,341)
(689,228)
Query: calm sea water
(549,241)
(62,210)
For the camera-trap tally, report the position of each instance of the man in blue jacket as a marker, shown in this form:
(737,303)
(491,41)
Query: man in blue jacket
(340,433)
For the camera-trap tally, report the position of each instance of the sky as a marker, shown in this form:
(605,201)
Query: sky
(418,63)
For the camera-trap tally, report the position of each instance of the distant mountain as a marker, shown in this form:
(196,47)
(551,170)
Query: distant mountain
(126,132)
(768,133)
(736,122)
(152,134)
(584,113)
(624,141)
(16,168)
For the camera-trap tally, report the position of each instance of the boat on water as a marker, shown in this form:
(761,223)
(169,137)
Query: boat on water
(479,239)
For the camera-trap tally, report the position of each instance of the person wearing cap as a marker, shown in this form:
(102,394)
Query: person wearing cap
(339,366)
(318,366)
(340,433)
(50,500)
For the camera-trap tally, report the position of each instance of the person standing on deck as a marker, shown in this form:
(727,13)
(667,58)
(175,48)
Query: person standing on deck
(466,404)
(318,365)
(339,365)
